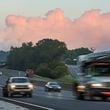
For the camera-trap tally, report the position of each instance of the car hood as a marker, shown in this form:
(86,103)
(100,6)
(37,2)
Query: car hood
(55,86)
(21,83)
(101,79)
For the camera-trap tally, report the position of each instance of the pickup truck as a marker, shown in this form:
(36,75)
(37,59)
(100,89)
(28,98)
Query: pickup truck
(18,85)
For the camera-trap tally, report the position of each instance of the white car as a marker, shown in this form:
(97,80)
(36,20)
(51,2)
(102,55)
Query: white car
(18,85)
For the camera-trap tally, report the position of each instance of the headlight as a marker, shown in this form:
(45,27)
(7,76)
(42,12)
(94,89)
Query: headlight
(96,85)
(50,87)
(59,87)
(30,86)
(12,86)
(80,88)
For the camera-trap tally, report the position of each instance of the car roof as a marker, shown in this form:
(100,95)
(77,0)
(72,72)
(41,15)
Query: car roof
(53,82)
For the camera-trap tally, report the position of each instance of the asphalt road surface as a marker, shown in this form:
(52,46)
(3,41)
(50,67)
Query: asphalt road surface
(65,100)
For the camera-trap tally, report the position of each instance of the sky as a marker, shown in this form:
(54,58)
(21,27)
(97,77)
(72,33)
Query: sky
(78,23)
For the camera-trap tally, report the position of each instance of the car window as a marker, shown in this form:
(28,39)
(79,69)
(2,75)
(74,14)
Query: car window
(54,83)
(19,80)
(100,71)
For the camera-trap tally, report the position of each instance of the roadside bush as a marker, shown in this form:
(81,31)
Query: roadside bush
(43,70)
(59,71)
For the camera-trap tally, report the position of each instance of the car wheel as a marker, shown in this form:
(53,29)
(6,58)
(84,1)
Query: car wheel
(11,94)
(91,98)
(46,90)
(90,95)
(5,94)
(80,96)
(30,94)
(104,98)
(59,90)
(25,95)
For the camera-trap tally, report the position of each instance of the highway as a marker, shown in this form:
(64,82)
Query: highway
(65,100)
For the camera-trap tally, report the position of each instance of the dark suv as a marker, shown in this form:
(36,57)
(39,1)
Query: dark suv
(95,78)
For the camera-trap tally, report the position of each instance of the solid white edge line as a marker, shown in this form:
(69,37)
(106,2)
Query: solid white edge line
(27,103)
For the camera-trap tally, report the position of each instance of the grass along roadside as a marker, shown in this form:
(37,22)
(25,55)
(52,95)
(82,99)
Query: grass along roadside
(66,82)
(68,79)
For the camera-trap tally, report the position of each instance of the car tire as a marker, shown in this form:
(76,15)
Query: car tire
(11,94)
(5,94)
(91,98)
(104,98)
(59,90)
(80,96)
(47,90)
(30,94)
(90,95)
(25,95)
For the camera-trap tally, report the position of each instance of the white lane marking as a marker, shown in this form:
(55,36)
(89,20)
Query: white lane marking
(26,103)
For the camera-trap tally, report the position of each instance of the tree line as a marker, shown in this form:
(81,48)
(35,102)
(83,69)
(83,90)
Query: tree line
(47,57)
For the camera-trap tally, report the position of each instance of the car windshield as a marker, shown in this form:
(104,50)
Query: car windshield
(19,80)
(102,70)
(53,83)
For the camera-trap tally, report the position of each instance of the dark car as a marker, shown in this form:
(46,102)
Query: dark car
(95,79)
(53,86)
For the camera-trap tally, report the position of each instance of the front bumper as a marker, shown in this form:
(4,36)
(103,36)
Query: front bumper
(20,91)
(54,89)
(100,91)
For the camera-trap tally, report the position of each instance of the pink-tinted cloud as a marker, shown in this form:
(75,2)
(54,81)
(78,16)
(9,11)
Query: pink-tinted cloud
(92,29)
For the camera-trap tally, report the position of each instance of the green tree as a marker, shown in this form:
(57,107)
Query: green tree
(46,51)
(20,57)
(49,50)
(71,55)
